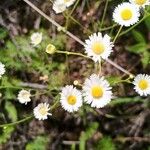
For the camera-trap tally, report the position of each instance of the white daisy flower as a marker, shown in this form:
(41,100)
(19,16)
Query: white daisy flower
(61,5)
(71,98)
(24,96)
(98,47)
(69,2)
(140,3)
(142,84)
(41,111)
(36,38)
(126,14)
(97,91)
(2,69)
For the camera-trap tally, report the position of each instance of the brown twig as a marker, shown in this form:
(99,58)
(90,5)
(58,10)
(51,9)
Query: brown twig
(33,85)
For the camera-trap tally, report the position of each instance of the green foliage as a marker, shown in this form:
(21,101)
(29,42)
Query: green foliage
(40,143)
(125,100)
(8,130)
(22,56)
(138,36)
(137,48)
(12,112)
(87,135)
(3,33)
(147,23)
(141,48)
(106,143)
(6,134)
(146,58)
(113,80)
(10,86)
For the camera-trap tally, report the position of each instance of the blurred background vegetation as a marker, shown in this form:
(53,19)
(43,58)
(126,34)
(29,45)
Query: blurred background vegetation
(123,124)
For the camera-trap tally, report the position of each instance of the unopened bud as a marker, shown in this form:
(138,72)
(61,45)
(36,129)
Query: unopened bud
(76,82)
(50,49)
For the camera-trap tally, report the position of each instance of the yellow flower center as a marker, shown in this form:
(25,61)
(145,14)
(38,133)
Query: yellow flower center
(143,84)
(126,14)
(66,1)
(98,48)
(97,92)
(72,99)
(140,2)
(43,111)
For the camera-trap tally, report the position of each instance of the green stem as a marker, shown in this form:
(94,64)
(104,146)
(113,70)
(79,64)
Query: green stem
(100,67)
(17,122)
(117,34)
(108,28)
(69,14)
(11,87)
(54,105)
(74,7)
(104,14)
(78,23)
(72,53)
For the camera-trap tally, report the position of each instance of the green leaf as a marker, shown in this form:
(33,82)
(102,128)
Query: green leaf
(6,134)
(3,33)
(87,135)
(145,59)
(147,23)
(106,143)
(40,143)
(113,80)
(8,92)
(11,110)
(137,48)
(138,36)
(12,114)
(125,100)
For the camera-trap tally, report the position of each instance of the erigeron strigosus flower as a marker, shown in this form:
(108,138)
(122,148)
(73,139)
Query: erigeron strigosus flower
(71,98)
(97,91)
(126,14)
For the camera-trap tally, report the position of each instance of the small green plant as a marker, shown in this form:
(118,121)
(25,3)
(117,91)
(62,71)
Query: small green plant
(39,143)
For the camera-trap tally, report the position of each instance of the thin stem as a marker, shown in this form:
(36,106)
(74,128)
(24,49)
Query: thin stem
(104,14)
(74,7)
(16,122)
(108,28)
(67,68)
(78,23)
(117,34)
(71,35)
(54,105)
(10,87)
(73,53)
(100,67)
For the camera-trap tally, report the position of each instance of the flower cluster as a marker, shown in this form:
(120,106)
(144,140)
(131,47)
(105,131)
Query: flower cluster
(41,111)
(96,90)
